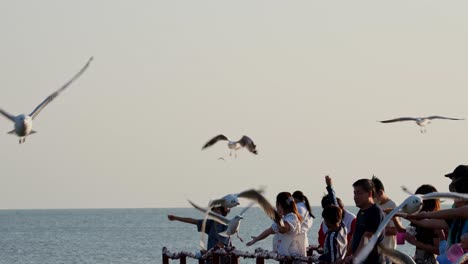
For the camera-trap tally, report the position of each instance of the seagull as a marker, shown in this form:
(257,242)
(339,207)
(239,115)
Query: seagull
(233,224)
(420,121)
(23,122)
(463,259)
(245,141)
(410,205)
(232,200)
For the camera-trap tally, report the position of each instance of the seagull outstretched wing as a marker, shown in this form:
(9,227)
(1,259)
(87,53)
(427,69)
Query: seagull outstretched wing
(7,115)
(399,119)
(214,140)
(217,217)
(51,97)
(247,142)
(443,117)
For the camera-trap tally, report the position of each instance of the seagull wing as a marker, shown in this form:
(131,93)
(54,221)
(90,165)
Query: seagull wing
(396,256)
(214,140)
(364,252)
(7,115)
(443,117)
(217,217)
(260,199)
(247,142)
(447,195)
(462,259)
(51,97)
(246,208)
(399,119)
(406,190)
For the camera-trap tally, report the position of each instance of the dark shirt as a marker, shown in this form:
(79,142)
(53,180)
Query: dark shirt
(212,229)
(458,227)
(368,220)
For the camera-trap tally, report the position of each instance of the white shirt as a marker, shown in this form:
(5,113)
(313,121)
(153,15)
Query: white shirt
(292,242)
(389,241)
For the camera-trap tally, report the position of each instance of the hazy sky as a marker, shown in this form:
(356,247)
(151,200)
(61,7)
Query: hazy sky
(306,80)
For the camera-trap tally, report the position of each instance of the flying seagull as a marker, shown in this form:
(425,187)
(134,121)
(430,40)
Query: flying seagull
(23,122)
(420,121)
(232,200)
(245,141)
(410,205)
(233,224)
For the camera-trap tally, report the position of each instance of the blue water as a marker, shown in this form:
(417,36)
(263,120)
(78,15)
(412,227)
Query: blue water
(116,235)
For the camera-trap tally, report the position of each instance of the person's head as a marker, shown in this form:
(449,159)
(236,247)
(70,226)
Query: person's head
(300,197)
(459,179)
(221,210)
(428,204)
(379,189)
(285,204)
(326,201)
(332,216)
(364,191)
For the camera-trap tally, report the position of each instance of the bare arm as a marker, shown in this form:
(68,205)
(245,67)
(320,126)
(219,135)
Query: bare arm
(431,223)
(443,214)
(262,236)
(187,220)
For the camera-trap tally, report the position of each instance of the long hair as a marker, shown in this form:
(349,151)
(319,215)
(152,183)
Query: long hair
(432,204)
(286,201)
(301,197)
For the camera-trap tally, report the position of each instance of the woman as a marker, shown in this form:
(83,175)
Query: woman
(426,240)
(290,240)
(303,208)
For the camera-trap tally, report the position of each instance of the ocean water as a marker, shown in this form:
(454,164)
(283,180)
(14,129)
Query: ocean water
(116,236)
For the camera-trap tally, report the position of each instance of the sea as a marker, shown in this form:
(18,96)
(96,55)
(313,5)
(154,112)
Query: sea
(120,236)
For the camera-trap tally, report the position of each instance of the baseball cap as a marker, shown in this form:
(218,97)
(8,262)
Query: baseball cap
(460,171)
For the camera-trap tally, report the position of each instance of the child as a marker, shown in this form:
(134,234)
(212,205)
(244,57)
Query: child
(334,248)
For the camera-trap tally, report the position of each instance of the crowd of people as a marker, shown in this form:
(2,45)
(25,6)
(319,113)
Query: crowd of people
(433,232)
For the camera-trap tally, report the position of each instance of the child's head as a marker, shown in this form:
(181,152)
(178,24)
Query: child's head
(285,204)
(332,216)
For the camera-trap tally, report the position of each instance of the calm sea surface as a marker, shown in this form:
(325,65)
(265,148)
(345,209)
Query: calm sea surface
(116,235)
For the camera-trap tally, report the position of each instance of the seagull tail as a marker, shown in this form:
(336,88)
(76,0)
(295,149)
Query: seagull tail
(11,132)
(33,132)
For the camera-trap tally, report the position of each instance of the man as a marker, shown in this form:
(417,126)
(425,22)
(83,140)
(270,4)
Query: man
(212,228)
(368,220)
(385,202)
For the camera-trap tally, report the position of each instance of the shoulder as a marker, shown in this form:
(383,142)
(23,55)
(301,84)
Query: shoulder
(290,217)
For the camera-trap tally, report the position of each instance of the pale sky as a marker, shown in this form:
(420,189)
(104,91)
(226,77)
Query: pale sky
(306,80)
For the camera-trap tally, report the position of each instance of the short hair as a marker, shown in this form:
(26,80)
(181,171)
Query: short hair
(332,214)
(378,184)
(365,184)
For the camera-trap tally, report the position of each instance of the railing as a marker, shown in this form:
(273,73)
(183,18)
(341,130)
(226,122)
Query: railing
(217,255)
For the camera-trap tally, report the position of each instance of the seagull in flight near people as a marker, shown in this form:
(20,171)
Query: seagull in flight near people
(232,200)
(420,121)
(410,205)
(233,224)
(245,141)
(24,123)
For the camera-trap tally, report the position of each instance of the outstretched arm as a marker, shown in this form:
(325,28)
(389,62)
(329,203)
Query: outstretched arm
(443,214)
(187,220)
(262,236)
(431,223)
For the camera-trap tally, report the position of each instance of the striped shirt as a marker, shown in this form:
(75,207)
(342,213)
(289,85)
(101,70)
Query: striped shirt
(335,245)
